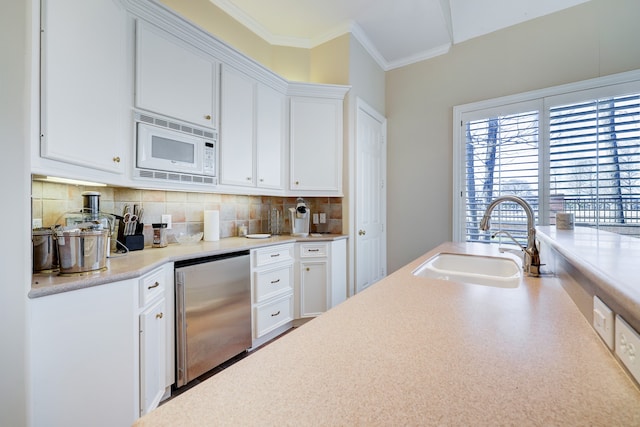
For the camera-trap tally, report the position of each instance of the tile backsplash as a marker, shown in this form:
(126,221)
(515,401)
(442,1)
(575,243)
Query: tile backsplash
(51,201)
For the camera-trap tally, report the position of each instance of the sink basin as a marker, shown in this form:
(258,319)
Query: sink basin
(475,269)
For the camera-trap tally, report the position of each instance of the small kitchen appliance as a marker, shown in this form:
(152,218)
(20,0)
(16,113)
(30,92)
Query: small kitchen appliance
(169,151)
(83,241)
(45,251)
(299,218)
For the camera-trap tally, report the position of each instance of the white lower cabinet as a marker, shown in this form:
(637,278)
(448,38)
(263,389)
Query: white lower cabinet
(102,355)
(84,357)
(152,356)
(322,276)
(272,284)
(156,336)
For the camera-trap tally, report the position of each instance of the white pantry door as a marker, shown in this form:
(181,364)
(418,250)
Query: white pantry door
(370,230)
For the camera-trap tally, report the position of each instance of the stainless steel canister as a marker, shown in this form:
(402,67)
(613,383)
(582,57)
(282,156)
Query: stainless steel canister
(45,251)
(81,251)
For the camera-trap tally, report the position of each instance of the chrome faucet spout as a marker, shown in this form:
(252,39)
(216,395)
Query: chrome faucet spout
(531,264)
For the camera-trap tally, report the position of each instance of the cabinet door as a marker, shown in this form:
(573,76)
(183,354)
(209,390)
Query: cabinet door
(84,97)
(173,78)
(270,122)
(313,287)
(236,128)
(84,363)
(152,355)
(316,145)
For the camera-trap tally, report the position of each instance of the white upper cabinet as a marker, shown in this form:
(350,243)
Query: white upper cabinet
(251,132)
(237,128)
(173,78)
(85,89)
(316,140)
(270,137)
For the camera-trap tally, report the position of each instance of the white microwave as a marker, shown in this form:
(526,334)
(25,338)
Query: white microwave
(174,152)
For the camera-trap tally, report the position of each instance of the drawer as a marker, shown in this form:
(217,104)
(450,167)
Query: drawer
(270,283)
(314,250)
(151,286)
(272,315)
(273,255)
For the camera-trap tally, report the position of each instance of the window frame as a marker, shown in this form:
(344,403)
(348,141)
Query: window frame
(541,100)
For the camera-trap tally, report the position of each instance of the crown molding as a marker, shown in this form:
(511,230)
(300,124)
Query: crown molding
(420,56)
(345,27)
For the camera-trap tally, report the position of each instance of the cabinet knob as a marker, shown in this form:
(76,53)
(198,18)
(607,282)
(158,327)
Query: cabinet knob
(248,178)
(297,182)
(361,232)
(208,117)
(116,159)
(159,315)
(308,269)
(261,180)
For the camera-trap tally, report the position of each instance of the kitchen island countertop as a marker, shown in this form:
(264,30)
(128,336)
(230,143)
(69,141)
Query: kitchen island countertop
(416,351)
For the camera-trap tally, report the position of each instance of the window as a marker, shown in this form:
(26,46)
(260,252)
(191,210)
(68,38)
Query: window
(574,148)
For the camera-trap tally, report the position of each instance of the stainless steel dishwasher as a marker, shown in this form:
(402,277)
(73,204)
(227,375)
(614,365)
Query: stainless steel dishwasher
(213,312)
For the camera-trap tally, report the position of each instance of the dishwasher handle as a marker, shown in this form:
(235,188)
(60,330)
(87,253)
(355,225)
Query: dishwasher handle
(181,331)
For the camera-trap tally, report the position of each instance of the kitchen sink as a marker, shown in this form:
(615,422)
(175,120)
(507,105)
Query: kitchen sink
(500,272)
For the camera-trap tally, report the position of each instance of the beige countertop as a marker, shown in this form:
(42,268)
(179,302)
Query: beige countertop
(137,263)
(416,351)
(610,260)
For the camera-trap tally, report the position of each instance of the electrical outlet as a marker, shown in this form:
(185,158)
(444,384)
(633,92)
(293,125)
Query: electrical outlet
(323,218)
(36,223)
(603,321)
(628,347)
(315,218)
(166,219)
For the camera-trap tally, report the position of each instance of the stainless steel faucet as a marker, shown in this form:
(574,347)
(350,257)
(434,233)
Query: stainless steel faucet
(531,264)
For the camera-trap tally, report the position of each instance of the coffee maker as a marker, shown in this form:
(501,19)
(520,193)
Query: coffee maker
(299,218)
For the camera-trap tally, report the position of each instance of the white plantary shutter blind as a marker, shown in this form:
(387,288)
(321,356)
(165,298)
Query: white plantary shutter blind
(501,158)
(594,156)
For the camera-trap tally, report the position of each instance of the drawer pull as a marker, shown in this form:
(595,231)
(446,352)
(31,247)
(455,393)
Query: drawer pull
(275,255)
(155,285)
(273,282)
(275,314)
(314,250)
(159,315)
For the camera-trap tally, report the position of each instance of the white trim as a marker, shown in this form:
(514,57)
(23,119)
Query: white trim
(420,56)
(597,82)
(342,28)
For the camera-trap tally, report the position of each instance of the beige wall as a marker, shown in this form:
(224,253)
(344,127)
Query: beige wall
(591,40)
(15,254)
(330,61)
(366,77)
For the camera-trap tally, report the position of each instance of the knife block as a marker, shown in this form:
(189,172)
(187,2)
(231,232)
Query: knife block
(133,242)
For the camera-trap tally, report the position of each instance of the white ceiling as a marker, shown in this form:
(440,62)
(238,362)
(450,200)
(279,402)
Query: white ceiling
(394,32)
